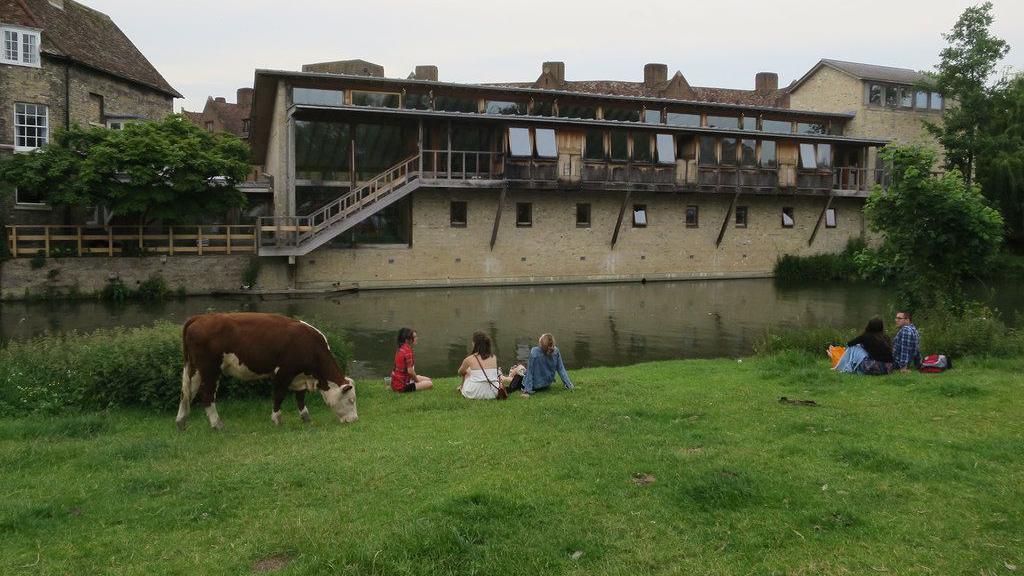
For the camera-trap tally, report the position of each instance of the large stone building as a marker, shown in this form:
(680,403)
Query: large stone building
(395,182)
(63,63)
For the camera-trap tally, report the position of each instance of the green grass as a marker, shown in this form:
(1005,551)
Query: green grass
(906,474)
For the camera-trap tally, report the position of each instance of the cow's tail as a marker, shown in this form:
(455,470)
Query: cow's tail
(184,339)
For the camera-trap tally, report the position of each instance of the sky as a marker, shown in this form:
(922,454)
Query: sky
(211,48)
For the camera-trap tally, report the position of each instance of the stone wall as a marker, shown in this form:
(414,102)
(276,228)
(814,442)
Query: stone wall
(554,249)
(196,274)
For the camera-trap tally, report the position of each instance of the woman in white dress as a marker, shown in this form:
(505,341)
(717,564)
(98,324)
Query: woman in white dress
(480,374)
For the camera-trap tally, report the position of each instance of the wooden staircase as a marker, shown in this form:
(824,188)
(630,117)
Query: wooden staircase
(300,235)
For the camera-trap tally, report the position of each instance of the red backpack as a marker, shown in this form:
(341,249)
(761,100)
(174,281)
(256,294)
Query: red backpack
(933,363)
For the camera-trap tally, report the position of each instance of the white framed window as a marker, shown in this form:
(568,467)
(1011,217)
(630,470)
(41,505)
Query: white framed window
(20,46)
(830,218)
(26,200)
(31,126)
(119,124)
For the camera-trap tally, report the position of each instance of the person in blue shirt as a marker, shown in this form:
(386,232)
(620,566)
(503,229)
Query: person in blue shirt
(545,362)
(906,347)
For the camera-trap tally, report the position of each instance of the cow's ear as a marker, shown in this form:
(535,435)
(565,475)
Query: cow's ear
(346,388)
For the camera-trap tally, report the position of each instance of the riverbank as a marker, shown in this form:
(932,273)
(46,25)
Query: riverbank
(679,466)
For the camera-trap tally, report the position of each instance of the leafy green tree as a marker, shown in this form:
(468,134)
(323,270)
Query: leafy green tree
(1000,164)
(936,230)
(169,170)
(966,67)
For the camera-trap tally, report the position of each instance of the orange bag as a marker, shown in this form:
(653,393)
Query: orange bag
(835,353)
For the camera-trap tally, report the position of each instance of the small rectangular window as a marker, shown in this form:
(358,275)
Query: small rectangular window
(19,47)
(621,114)
(830,218)
(767,159)
(748,153)
(458,214)
(29,48)
(875,94)
(620,146)
(892,96)
(11,46)
(824,157)
(583,215)
(729,152)
(741,216)
(777,126)
(787,217)
(31,126)
(504,107)
(750,122)
(594,149)
(455,104)
(546,146)
(209,126)
(376,99)
(707,151)
(683,119)
(639,216)
(519,142)
(921,100)
(317,97)
(936,101)
(807,156)
(692,216)
(666,149)
(28,199)
(542,108)
(524,214)
(729,122)
(652,116)
(810,128)
(906,97)
(582,112)
(641,147)
(416,101)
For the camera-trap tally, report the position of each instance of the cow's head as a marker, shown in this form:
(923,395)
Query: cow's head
(342,399)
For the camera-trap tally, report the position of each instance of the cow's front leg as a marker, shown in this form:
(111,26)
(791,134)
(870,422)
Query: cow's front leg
(300,403)
(279,393)
(208,395)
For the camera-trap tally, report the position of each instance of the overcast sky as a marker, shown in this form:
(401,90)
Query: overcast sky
(205,47)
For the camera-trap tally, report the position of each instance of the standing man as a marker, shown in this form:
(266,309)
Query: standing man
(906,347)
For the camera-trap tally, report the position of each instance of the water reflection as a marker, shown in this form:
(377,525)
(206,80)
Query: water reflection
(595,325)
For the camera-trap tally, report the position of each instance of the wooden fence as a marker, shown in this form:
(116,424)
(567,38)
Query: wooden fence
(64,241)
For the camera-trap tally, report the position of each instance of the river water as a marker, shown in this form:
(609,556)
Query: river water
(595,325)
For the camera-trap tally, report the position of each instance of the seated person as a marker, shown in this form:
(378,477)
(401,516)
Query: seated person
(545,362)
(906,348)
(404,377)
(480,375)
(878,348)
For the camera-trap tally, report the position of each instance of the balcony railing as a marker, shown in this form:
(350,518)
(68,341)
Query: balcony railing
(64,241)
(461,165)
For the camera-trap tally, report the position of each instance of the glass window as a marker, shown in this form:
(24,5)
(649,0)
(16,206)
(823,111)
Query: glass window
(787,217)
(572,111)
(35,197)
(692,216)
(639,215)
(824,155)
(31,126)
(741,216)
(921,99)
(29,48)
(621,114)
(458,214)
(830,218)
(936,103)
(583,215)
(906,97)
(455,104)
(683,119)
(546,146)
(892,96)
(519,142)
(389,226)
(543,108)
(11,45)
(652,116)
(209,126)
(378,147)
(748,153)
(620,146)
(476,138)
(875,94)
(416,101)
(807,157)
(777,126)
(666,149)
(729,152)
(707,151)
(594,146)
(524,214)
(317,97)
(750,122)
(730,122)
(504,107)
(376,99)
(767,159)
(810,128)
(322,150)
(641,147)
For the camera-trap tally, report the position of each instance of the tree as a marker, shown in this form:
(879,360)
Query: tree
(936,230)
(967,64)
(169,170)
(1001,161)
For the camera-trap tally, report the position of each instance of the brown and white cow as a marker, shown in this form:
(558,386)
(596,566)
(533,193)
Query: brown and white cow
(252,346)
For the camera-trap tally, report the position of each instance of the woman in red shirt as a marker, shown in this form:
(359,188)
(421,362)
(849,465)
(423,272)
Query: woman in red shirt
(404,377)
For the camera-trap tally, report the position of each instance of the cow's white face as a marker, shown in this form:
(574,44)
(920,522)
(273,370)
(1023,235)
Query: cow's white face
(342,399)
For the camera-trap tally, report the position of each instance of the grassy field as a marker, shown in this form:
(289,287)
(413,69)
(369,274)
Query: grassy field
(691,467)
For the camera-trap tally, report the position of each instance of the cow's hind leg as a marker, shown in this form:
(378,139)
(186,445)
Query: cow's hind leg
(300,403)
(190,383)
(280,391)
(208,395)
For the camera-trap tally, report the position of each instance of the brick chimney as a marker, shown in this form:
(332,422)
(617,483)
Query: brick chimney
(244,97)
(556,69)
(655,74)
(766,81)
(220,99)
(428,72)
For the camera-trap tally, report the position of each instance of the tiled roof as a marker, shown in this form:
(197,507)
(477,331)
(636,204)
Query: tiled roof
(770,98)
(91,38)
(866,72)
(228,115)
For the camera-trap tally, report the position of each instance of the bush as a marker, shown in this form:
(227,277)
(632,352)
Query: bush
(107,368)
(154,289)
(821,267)
(252,272)
(115,291)
(38,261)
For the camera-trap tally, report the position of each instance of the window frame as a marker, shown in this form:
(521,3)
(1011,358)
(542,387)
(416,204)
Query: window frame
(788,211)
(642,210)
(320,91)
(397,106)
(22,205)
(835,218)
(586,208)
(456,206)
(46,127)
(520,153)
(528,222)
(694,210)
(553,141)
(746,216)
(20,33)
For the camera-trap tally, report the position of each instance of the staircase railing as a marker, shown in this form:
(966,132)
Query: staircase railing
(294,231)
